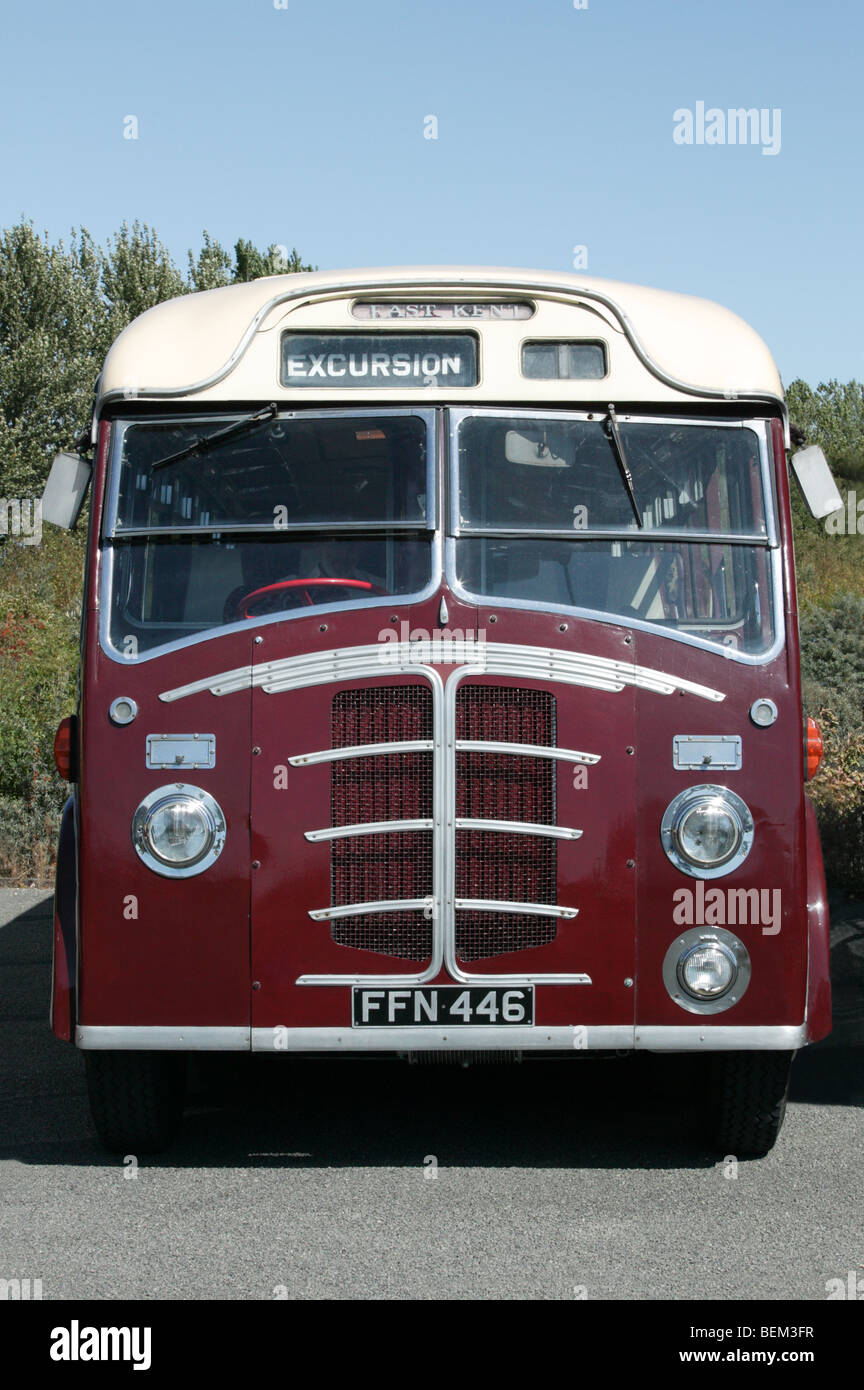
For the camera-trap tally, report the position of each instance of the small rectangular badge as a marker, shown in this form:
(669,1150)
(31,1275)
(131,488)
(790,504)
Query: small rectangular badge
(383,360)
(708,752)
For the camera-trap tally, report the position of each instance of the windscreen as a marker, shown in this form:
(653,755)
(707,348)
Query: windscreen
(279,515)
(665,525)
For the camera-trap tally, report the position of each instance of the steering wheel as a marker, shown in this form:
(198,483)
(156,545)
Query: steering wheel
(242,604)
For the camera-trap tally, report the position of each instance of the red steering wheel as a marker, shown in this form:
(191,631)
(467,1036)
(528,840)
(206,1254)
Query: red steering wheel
(243,604)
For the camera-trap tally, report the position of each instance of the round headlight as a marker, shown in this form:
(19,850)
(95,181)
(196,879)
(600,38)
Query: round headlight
(178,831)
(707,971)
(707,831)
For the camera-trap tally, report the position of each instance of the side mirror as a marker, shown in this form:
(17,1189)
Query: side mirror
(813,476)
(65,490)
(518,448)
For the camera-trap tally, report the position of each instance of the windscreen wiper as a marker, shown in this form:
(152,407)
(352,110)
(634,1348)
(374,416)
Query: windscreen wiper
(614,436)
(205,442)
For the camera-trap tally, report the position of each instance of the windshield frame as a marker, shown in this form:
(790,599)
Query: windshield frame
(769,542)
(112,532)
(110,539)
(596,417)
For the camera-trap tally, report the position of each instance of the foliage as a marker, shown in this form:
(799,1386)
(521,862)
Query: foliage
(61,306)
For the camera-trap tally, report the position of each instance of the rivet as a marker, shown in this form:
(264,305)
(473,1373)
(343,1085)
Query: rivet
(628,639)
(256,984)
(562,627)
(322,627)
(394,618)
(258,641)
(630,750)
(631,863)
(493,618)
(256,863)
(628,983)
(255,752)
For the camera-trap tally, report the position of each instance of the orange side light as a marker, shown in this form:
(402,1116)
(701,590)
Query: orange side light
(812,748)
(65,748)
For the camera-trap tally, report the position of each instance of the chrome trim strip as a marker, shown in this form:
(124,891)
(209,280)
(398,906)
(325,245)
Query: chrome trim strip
(720,1037)
(331,914)
(467,1038)
(362,750)
(482,658)
(519,827)
(377,827)
(540,289)
(653,534)
(527,909)
(693,1037)
(156,1038)
(525,750)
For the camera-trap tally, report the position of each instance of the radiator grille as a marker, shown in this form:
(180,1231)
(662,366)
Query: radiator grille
(490,786)
(503,786)
(396,786)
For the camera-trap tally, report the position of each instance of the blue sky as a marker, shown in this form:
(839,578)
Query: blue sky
(304,126)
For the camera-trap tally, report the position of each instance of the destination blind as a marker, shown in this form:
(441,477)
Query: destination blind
(384,360)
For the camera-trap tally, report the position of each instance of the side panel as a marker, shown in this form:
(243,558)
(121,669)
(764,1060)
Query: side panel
(64,967)
(819,975)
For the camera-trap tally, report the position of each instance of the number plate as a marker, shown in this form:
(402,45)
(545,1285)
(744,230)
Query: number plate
(434,1005)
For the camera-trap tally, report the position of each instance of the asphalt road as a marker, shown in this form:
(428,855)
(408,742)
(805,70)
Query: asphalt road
(554,1180)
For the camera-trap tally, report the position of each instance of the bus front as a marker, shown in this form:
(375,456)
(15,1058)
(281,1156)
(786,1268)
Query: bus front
(440,694)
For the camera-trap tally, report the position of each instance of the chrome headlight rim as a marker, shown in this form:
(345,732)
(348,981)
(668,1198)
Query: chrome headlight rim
(156,800)
(695,939)
(687,801)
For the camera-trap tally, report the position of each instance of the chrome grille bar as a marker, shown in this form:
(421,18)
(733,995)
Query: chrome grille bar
(330,914)
(519,827)
(528,909)
(377,827)
(362,750)
(525,750)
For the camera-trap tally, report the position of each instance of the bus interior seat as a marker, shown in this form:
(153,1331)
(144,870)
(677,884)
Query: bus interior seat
(214,571)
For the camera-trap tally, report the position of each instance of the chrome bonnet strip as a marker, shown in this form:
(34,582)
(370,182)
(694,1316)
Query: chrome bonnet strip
(489,658)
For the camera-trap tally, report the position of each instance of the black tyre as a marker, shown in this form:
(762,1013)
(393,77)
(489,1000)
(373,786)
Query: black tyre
(136,1098)
(747,1098)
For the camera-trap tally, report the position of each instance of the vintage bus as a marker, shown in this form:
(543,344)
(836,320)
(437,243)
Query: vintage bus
(440,691)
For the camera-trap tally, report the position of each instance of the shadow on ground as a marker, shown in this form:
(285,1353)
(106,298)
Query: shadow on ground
(635,1112)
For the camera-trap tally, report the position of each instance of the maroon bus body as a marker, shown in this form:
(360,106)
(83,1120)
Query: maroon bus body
(226,948)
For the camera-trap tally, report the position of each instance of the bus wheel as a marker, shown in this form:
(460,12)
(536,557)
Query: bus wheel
(747,1096)
(136,1098)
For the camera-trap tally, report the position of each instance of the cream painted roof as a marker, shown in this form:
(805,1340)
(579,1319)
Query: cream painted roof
(224,344)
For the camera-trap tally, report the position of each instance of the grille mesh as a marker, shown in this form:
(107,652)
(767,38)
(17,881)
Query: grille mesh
(397,786)
(503,786)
